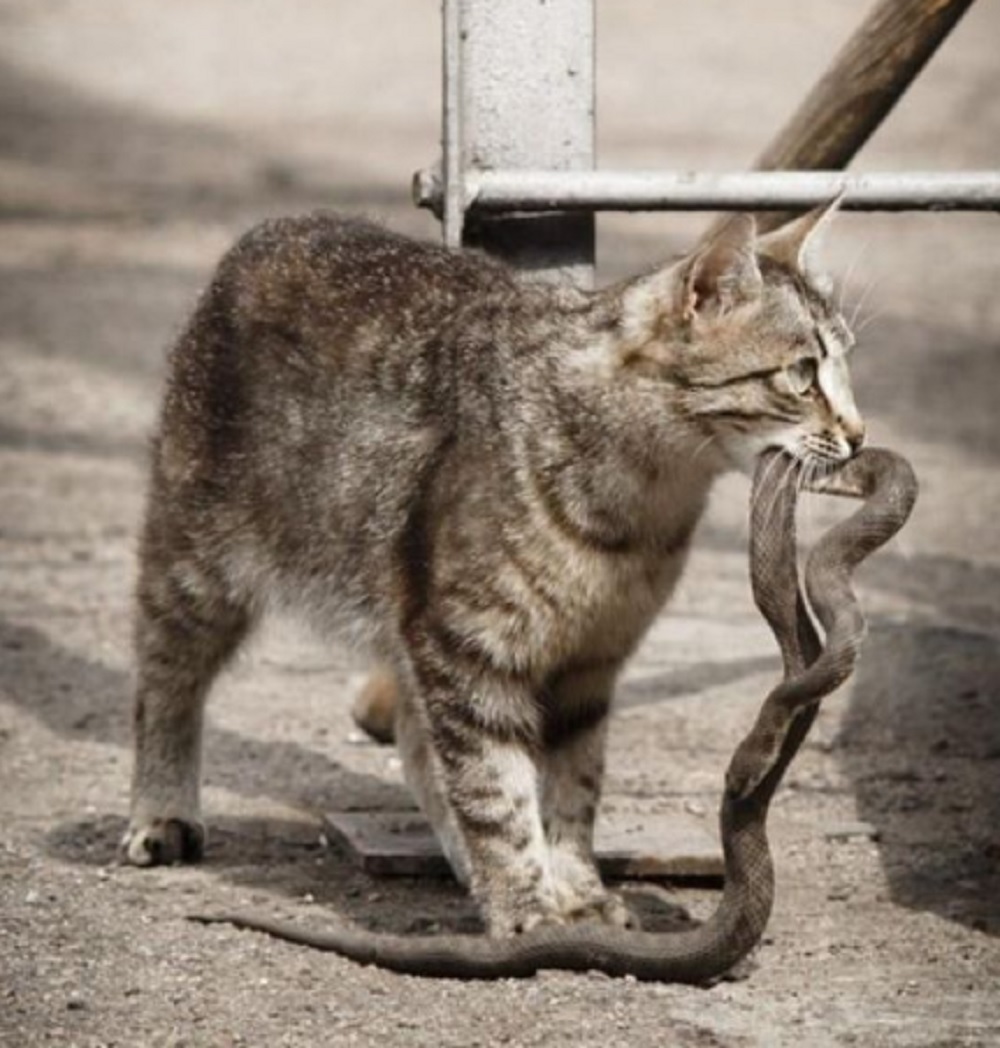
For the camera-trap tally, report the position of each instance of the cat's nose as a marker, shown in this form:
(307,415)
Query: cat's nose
(855,438)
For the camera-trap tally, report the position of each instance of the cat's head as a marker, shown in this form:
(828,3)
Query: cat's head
(754,344)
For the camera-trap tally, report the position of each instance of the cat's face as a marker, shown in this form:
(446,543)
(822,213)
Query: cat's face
(778,376)
(766,360)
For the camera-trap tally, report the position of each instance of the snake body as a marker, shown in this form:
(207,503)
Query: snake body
(812,669)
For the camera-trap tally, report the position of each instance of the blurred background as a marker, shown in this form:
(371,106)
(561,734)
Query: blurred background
(138,139)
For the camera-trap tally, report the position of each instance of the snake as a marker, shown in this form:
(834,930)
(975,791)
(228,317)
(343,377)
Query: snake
(812,668)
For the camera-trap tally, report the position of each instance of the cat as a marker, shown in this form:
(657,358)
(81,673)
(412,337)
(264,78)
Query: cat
(488,481)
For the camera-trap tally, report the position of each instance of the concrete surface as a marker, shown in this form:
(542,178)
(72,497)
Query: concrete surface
(137,139)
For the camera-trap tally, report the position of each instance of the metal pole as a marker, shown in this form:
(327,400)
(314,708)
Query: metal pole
(519,93)
(490,192)
(452,214)
(517,176)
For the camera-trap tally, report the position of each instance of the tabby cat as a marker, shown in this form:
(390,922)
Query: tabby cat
(490,482)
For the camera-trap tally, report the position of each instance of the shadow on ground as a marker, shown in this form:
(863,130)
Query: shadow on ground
(97,165)
(691,679)
(80,699)
(86,159)
(921,745)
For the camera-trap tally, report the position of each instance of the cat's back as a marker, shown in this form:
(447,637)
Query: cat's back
(326,271)
(310,399)
(318,326)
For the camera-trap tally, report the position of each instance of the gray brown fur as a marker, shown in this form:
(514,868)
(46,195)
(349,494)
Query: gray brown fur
(813,668)
(490,483)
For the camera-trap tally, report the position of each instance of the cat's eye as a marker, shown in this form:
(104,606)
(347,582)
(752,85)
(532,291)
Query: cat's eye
(801,376)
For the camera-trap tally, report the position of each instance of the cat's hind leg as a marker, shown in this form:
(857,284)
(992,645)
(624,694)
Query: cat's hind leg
(186,629)
(375,707)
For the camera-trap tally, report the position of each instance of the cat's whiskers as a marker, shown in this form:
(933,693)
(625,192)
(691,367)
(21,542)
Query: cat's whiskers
(815,467)
(791,463)
(775,462)
(869,320)
(860,304)
(845,283)
(701,448)
(823,448)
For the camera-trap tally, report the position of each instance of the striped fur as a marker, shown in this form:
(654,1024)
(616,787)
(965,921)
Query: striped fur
(490,483)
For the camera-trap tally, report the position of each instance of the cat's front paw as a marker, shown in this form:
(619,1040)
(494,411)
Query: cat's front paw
(516,912)
(582,896)
(504,924)
(602,906)
(163,842)
(610,908)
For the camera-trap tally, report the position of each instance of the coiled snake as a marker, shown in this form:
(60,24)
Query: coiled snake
(812,669)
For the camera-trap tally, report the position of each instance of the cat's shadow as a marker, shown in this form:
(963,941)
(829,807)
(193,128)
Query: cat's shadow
(284,857)
(920,745)
(287,859)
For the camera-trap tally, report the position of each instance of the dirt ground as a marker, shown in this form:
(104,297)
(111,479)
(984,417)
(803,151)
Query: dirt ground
(137,139)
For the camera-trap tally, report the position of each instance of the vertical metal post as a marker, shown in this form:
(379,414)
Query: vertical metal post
(519,94)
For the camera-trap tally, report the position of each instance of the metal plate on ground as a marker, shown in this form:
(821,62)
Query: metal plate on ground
(639,847)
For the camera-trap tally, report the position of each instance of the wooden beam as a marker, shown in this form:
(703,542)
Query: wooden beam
(666,846)
(867,78)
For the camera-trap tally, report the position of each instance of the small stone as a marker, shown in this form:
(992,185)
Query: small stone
(839,893)
(846,831)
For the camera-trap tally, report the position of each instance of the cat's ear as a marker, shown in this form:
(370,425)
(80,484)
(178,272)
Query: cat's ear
(723,273)
(795,244)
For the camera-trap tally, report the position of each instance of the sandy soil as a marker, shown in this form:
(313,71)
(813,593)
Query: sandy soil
(137,139)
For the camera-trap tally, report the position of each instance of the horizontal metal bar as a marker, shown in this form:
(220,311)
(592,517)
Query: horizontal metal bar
(499,191)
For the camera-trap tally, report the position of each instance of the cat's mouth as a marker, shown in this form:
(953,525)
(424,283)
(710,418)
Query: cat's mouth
(821,449)
(821,458)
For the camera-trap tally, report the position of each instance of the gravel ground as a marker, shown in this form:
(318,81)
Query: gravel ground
(137,139)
